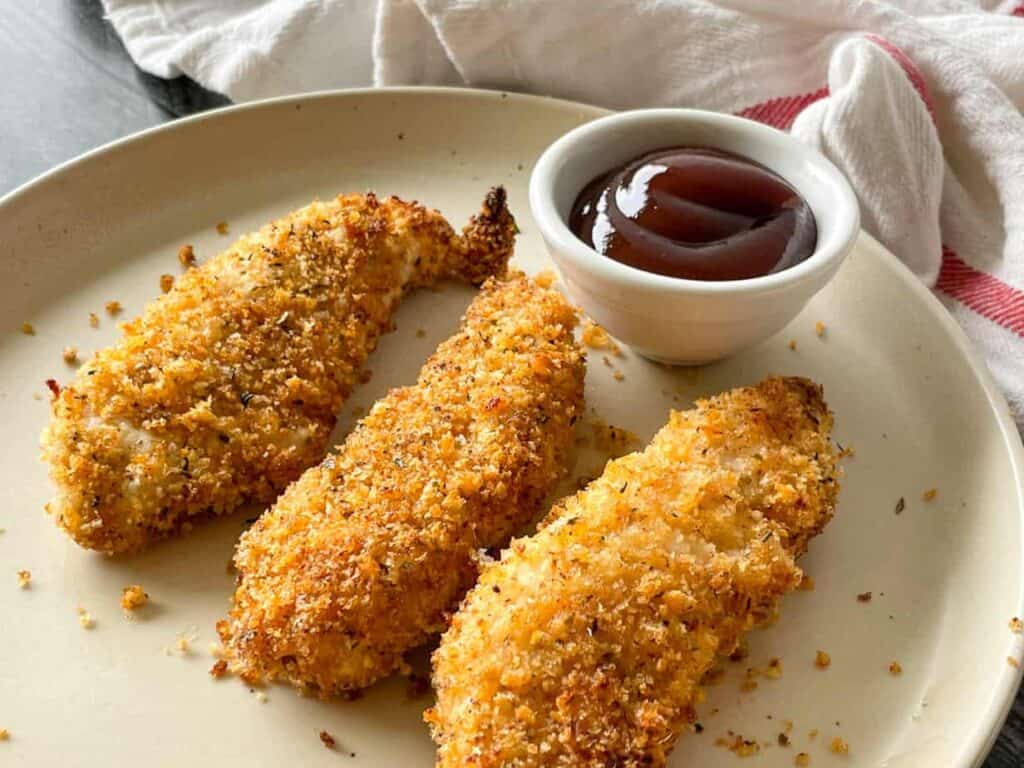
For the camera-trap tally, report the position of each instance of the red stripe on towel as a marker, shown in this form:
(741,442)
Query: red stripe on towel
(982,293)
(909,69)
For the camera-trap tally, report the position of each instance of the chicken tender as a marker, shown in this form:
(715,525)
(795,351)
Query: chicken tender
(365,555)
(585,645)
(228,386)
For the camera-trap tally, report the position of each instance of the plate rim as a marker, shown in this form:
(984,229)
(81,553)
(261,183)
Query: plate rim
(987,726)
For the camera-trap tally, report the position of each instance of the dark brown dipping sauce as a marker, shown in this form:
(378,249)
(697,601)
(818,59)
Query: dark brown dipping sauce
(701,214)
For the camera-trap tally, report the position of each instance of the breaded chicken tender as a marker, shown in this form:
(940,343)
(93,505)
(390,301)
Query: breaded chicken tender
(228,386)
(365,555)
(585,645)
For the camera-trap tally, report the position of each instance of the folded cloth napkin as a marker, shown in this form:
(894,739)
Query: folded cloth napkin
(917,101)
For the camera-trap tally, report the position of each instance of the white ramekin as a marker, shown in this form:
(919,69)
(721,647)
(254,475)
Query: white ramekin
(670,319)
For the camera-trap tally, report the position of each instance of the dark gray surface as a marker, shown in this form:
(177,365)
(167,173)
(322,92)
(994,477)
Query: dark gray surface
(69,86)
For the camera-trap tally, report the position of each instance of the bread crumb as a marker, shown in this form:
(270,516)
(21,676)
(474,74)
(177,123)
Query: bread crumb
(222,227)
(133,597)
(420,333)
(112,307)
(839,746)
(822,660)
(4,734)
(895,668)
(36,396)
(738,745)
(596,337)
(94,320)
(741,651)
(812,734)
(806,584)
(24,577)
(186,256)
(166,282)
(28,329)
(930,494)
(783,740)
(787,726)
(545,278)
(85,619)
(219,669)
(749,683)
(802,759)
(845,453)
(70,355)
(773,670)
(618,375)
(1013,662)
(1016,625)
(864,597)
(328,740)
(819,328)
(261,697)
(183,642)
(792,344)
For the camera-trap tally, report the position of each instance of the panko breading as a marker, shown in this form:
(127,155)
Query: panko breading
(364,556)
(586,644)
(228,386)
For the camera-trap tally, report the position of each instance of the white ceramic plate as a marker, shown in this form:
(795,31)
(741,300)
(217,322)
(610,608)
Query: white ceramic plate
(910,398)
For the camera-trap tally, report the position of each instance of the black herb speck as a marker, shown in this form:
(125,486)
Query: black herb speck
(245,397)
(698,728)
(900,505)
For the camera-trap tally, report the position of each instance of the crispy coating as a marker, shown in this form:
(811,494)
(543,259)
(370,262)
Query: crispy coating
(228,386)
(585,645)
(364,557)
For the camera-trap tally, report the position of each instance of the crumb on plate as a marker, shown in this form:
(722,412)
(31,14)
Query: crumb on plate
(930,494)
(812,734)
(113,307)
(792,344)
(738,745)
(895,668)
(94,320)
(24,577)
(839,746)
(328,740)
(85,619)
(420,333)
(1013,662)
(219,669)
(166,282)
(596,337)
(1016,625)
(28,329)
(222,227)
(822,660)
(186,256)
(819,328)
(70,355)
(806,583)
(864,597)
(773,670)
(4,734)
(545,278)
(802,759)
(618,375)
(133,597)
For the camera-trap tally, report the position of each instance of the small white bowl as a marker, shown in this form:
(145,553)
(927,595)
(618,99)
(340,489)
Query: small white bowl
(670,319)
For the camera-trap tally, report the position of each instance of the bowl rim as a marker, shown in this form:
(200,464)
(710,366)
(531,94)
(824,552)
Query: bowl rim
(826,258)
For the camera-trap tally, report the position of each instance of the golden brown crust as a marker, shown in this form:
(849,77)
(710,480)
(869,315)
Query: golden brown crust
(585,645)
(362,557)
(227,387)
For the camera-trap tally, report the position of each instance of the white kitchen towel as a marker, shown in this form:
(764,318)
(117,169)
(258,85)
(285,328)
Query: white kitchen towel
(917,101)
